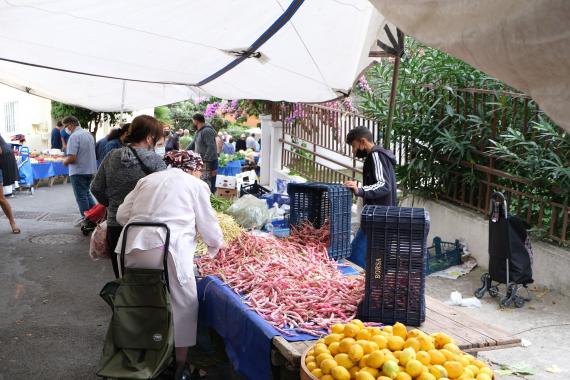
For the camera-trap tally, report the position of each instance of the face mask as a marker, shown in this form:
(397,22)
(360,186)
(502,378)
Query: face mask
(361,153)
(68,131)
(160,150)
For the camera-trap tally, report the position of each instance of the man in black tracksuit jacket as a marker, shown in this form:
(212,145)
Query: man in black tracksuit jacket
(379,179)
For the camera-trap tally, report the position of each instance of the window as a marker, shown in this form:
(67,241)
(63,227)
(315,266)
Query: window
(10,116)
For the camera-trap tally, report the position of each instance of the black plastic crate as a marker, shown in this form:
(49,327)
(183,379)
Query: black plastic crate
(321,203)
(442,255)
(254,189)
(396,262)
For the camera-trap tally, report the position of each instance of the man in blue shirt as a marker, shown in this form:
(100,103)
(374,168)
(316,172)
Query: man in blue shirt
(56,142)
(80,157)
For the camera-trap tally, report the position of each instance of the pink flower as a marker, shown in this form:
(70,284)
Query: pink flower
(363,84)
(211,109)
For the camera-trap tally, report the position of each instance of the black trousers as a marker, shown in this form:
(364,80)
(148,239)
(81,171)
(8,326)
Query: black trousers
(113,234)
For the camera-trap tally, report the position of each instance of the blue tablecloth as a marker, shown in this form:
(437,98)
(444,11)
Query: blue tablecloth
(43,170)
(247,336)
(59,168)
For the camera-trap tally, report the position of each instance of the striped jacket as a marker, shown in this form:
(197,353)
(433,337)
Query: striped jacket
(379,178)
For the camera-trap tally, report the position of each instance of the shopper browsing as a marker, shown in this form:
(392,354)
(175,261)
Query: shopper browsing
(205,145)
(80,158)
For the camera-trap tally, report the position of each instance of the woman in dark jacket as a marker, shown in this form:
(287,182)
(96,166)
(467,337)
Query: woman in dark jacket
(121,169)
(8,175)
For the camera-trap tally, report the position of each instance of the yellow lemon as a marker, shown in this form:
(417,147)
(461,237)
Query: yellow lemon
(407,355)
(311,366)
(423,357)
(414,333)
(351,329)
(441,339)
(486,370)
(395,343)
(311,353)
(479,363)
(452,347)
(320,348)
(363,375)
(390,368)
(362,362)
(413,343)
(356,352)
(340,373)
(453,368)
(464,377)
(317,372)
(463,360)
(353,371)
(397,354)
(384,378)
(375,330)
(321,340)
(373,371)
(364,335)
(345,344)
(327,365)
(309,359)
(436,357)
(332,338)
(438,371)
(343,360)
(403,376)
(327,377)
(388,329)
(474,369)
(414,367)
(370,347)
(375,359)
(426,343)
(322,357)
(400,330)
(380,340)
(468,372)
(337,328)
(333,348)
(483,376)
(426,376)
(358,322)
(448,354)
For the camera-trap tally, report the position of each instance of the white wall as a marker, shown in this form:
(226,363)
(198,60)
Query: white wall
(32,116)
(551,263)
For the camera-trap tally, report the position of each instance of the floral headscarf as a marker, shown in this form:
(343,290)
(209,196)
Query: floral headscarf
(188,161)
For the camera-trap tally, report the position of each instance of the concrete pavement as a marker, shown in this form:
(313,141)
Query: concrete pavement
(52,321)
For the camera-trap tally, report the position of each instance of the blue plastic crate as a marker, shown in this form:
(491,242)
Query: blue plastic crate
(442,255)
(395,264)
(322,203)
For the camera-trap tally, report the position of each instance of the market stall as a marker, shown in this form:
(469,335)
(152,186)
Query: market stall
(272,299)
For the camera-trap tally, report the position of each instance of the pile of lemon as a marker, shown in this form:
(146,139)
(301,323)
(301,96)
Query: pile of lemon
(355,352)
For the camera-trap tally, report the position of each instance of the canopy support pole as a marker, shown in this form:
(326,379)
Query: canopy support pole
(122,101)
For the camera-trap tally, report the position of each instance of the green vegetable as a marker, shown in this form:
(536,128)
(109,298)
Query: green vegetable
(220,204)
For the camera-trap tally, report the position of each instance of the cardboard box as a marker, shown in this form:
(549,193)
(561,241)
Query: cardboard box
(225,182)
(245,178)
(226,193)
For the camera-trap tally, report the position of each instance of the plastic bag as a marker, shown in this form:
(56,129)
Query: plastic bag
(456,299)
(249,212)
(98,246)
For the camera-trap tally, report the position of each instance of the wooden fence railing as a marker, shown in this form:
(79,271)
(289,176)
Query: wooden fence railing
(310,131)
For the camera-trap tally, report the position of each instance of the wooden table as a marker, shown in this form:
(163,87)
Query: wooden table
(470,334)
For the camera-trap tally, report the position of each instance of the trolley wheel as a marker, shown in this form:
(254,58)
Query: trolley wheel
(505,302)
(494,291)
(479,293)
(519,302)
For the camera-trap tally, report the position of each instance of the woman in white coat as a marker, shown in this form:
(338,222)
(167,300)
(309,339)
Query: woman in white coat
(178,198)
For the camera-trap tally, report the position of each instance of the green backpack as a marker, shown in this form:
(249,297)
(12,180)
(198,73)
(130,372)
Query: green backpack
(140,340)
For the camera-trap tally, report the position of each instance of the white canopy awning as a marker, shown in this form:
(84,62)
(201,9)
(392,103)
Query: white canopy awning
(524,43)
(161,50)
